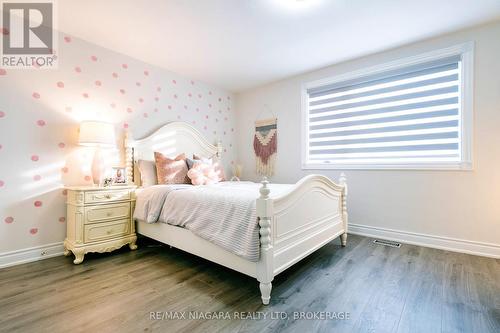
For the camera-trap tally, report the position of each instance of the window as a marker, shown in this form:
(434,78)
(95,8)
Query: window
(413,113)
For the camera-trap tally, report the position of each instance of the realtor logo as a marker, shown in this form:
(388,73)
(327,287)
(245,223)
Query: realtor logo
(28,35)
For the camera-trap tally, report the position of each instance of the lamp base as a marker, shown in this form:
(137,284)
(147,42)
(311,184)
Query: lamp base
(97,168)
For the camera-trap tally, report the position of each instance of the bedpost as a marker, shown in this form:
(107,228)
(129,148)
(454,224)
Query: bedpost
(129,163)
(343,182)
(265,267)
(219,149)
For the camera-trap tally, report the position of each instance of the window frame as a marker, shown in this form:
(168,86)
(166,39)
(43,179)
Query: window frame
(464,50)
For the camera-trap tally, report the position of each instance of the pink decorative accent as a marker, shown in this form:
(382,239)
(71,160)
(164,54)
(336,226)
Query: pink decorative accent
(4,31)
(98,83)
(60,84)
(220,99)
(87,178)
(192,82)
(67,39)
(175,95)
(65,169)
(169,107)
(124,66)
(78,69)
(210,92)
(85,95)
(171,171)
(190,95)
(206,117)
(34,158)
(62,219)
(36,95)
(2,183)
(9,219)
(3,71)
(129,110)
(38,204)
(203,174)
(41,123)
(141,100)
(158,89)
(115,75)
(2,114)
(37,177)
(174,82)
(125,125)
(64,192)
(138,84)
(209,105)
(93,58)
(33,231)
(145,115)
(155,109)
(122,91)
(157,99)
(146,73)
(61,145)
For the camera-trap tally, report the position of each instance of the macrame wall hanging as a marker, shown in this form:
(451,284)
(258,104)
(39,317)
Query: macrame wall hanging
(265,144)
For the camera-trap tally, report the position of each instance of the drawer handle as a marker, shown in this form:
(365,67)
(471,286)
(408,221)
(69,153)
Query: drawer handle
(107,196)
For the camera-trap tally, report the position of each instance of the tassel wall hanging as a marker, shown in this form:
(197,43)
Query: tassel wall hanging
(265,144)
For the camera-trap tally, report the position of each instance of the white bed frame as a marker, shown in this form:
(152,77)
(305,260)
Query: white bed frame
(292,226)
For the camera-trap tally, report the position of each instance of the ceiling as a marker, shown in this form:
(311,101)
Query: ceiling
(240,44)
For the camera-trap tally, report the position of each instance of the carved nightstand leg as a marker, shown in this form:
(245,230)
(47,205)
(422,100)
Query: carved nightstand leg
(132,245)
(343,239)
(79,254)
(66,252)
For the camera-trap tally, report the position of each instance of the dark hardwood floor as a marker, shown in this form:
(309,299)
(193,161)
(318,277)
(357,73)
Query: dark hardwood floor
(383,289)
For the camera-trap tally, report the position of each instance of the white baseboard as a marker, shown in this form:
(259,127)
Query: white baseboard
(438,242)
(30,254)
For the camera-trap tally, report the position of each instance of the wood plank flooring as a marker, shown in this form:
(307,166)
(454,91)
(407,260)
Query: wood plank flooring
(410,289)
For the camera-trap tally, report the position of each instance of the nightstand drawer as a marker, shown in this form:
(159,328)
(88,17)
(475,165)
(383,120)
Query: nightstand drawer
(103,231)
(95,214)
(106,196)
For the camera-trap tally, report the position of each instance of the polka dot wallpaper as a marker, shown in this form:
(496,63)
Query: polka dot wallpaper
(40,112)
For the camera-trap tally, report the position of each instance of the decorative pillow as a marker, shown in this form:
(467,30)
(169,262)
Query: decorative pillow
(147,169)
(171,171)
(203,174)
(219,169)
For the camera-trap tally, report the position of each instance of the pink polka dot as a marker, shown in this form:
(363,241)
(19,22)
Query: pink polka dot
(9,219)
(93,58)
(155,109)
(206,117)
(210,93)
(129,110)
(209,105)
(3,71)
(197,110)
(156,99)
(68,109)
(38,203)
(199,95)
(158,89)
(87,178)
(125,125)
(37,177)
(138,84)
(228,98)
(122,91)
(2,183)
(192,82)
(113,105)
(98,83)
(190,95)
(67,39)
(33,231)
(62,219)
(146,73)
(60,84)
(36,95)
(141,100)
(61,145)
(64,192)
(185,107)
(34,158)
(175,95)
(4,31)
(232,129)
(78,69)
(85,95)
(2,114)
(178,117)
(170,107)
(115,75)
(124,66)
(174,82)
(145,115)
(220,99)
(41,123)
(65,169)
(205,127)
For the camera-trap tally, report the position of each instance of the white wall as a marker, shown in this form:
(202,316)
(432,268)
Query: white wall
(450,204)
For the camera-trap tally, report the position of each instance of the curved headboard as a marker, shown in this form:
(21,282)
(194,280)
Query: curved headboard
(171,139)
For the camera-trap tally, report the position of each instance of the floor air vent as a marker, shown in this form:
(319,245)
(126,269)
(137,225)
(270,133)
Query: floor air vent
(387,243)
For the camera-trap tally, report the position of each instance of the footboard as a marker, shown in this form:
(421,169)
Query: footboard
(298,223)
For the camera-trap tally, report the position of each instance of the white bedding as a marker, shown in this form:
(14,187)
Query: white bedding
(223,213)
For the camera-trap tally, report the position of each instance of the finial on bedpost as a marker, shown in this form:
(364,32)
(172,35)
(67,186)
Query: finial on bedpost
(343,180)
(264,190)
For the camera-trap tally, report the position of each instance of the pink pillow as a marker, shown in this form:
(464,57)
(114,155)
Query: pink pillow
(217,166)
(203,174)
(171,171)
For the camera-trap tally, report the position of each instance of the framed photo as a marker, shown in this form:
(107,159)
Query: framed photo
(119,177)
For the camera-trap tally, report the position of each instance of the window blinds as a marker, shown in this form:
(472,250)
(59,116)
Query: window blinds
(408,115)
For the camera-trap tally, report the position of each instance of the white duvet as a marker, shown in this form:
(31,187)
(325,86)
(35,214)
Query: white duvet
(223,213)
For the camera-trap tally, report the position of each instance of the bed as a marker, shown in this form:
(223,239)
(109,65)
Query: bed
(290,224)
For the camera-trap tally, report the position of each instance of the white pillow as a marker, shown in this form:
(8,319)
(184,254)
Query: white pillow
(147,170)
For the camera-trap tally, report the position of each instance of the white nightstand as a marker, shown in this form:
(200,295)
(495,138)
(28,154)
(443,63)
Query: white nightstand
(99,220)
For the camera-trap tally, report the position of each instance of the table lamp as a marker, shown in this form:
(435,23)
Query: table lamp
(99,135)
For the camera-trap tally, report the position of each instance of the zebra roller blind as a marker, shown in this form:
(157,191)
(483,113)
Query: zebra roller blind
(408,115)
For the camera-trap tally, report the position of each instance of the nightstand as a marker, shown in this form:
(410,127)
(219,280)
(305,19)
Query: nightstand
(99,219)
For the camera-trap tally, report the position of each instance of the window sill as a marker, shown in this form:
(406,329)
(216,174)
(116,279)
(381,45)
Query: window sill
(463,166)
